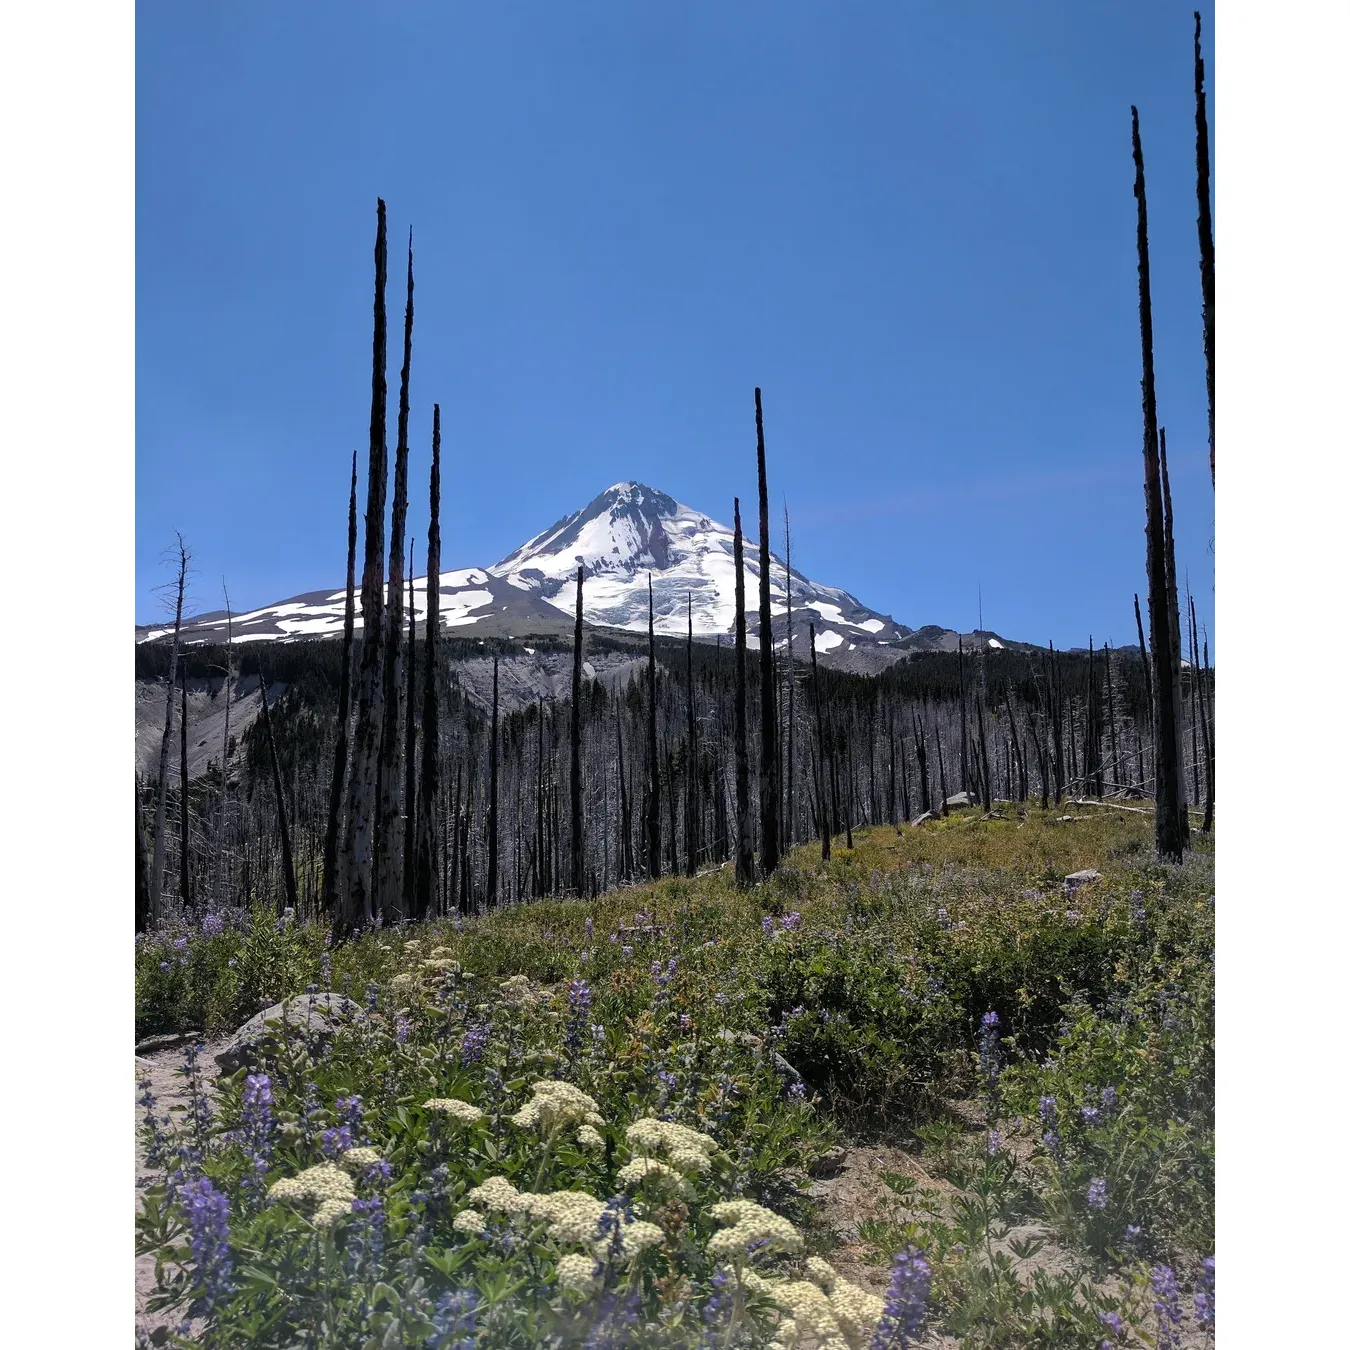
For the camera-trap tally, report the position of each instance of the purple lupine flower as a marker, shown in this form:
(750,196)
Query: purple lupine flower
(1167,1305)
(993,1142)
(180,944)
(906,1299)
(767,924)
(1096,1196)
(1091,1116)
(326,968)
(157,1147)
(579,1009)
(402,1026)
(626,949)
(1132,1234)
(797,1092)
(1204,1294)
(454,1321)
(213,925)
(335,1142)
(372,997)
(792,922)
(990,1059)
(370,1234)
(165,965)
(1113,1322)
(474,1043)
(686,1022)
(1110,1100)
(590,929)
(719,1298)
(351,1113)
(208,1214)
(256,1126)
(1050,1121)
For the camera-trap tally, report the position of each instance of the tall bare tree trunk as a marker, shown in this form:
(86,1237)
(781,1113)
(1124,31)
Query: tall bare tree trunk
(388,837)
(142,869)
(409,867)
(184,824)
(357,898)
(491,899)
(653,765)
(339,779)
(769,771)
(575,876)
(425,899)
(216,894)
(691,812)
(1205,227)
(157,863)
(1170,823)
(791,832)
(745,856)
(287,866)
(825,831)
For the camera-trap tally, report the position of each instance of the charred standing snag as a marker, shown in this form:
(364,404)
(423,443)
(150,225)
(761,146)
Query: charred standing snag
(335,790)
(1205,227)
(161,798)
(822,811)
(389,836)
(184,881)
(1171,826)
(768,714)
(142,869)
(491,898)
(356,898)
(745,857)
(409,868)
(287,867)
(425,900)
(790,833)
(575,874)
(691,806)
(653,765)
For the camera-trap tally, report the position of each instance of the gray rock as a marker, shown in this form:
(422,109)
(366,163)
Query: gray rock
(782,1068)
(170,1040)
(919,820)
(312,1017)
(959,799)
(830,1163)
(745,1038)
(1076,879)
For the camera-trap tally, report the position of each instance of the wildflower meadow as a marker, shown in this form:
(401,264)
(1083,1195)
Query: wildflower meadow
(655,1119)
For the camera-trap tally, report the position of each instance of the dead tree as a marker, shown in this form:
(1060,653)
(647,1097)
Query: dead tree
(142,869)
(1171,826)
(388,841)
(157,864)
(357,893)
(491,898)
(691,805)
(653,763)
(791,832)
(287,866)
(1206,718)
(339,780)
(819,773)
(424,901)
(575,871)
(769,771)
(1205,227)
(184,836)
(745,856)
(408,872)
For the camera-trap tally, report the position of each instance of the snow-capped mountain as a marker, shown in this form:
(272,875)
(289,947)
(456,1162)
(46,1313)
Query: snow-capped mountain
(629,533)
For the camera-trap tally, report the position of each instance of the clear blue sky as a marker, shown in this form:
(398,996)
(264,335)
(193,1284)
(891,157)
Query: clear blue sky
(910,223)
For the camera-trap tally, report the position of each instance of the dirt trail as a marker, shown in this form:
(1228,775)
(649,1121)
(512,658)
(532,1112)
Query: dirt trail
(161,1067)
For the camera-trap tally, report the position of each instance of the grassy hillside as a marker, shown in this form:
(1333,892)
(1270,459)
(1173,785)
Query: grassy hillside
(1032,1064)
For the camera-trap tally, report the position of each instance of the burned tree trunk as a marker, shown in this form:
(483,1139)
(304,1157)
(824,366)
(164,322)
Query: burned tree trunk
(691,805)
(1206,714)
(356,900)
(653,767)
(424,891)
(184,835)
(1205,227)
(161,799)
(388,838)
(287,866)
(335,790)
(575,870)
(409,869)
(142,870)
(768,710)
(745,858)
(790,833)
(491,897)
(1170,823)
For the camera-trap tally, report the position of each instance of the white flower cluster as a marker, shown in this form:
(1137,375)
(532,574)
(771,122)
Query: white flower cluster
(516,990)
(688,1150)
(572,1217)
(836,1313)
(327,1187)
(577,1272)
(555,1104)
(469,1221)
(455,1109)
(655,1171)
(748,1222)
(589,1137)
(358,1159)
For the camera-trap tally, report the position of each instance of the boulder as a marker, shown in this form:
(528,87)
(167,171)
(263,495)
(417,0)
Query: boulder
(919,820)
(830,1163)
(1076,879)
(312,1017)
(959,799)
